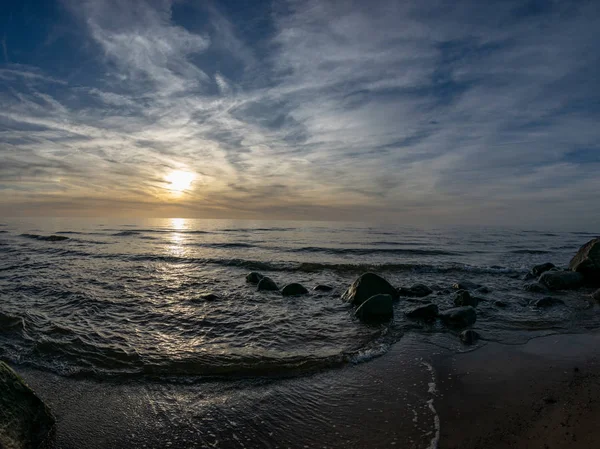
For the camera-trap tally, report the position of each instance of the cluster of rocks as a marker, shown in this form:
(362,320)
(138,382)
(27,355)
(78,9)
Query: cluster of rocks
(265,283)
(583,271)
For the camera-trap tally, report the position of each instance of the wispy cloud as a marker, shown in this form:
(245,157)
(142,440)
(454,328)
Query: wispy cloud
(416,111)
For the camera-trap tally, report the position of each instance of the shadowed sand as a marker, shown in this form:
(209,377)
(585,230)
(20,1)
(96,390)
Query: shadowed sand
(544,394)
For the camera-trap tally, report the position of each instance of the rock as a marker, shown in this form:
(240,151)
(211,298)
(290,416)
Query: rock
(542,268)
(500,304)
(547,301)
(483,290)
(294,289)
(464,298)
(596,295)
(267,284)
(587,262)
(459,316)
(25,421)
(535,287)
(377,308)
(469,336)
(427,311)
(465,285)
(254,277)
(561,280)
(209,297)
(323,288)
(416,291)
(366,286)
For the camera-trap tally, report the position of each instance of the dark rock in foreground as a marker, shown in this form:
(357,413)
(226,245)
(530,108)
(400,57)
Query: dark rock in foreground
(323,288)
(535,287)
(547,301)
(587,261)
(426,312)
(464,298)
(469,336)
(465,285)
(366,286)
(294,289)
(267,284)
(377,308)
(459,316)
(254,277)
(561,280)
(25,421)
(416,291)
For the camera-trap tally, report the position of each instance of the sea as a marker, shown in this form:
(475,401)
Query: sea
(117,298)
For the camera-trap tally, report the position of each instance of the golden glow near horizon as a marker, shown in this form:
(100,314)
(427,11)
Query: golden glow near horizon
(180,180)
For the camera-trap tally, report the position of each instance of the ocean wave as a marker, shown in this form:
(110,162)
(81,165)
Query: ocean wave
(126,233)
(224,245)
(367,251)
(530,251)
(46,238)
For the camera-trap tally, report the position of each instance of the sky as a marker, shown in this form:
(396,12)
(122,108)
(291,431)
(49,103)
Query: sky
(416,111)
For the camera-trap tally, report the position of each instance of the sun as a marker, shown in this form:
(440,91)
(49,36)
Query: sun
(180,180)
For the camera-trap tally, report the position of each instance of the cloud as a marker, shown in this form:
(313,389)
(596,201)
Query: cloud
(438,111)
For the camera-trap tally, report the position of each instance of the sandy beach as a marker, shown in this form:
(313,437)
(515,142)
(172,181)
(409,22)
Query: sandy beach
(544,394)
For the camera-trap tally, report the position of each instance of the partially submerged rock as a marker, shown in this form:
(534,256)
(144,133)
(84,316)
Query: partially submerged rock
(426,312)
(25,421)
(501,304)
(367,286)
(323,288)
(561,280)
(294,289)
(267,284)
(538,270)
(254,277)
(416,291)
(209,297)
(587,261)
(469,336)
(377,308)
(459,316)
(547,301)
(464,298)
(483,290)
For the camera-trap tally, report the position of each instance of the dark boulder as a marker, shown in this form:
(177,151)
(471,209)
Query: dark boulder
(459,316)
(254,277)
(208,297)
(547,301)
(294,289)
(367,286)
(538,270)
(500,304)
(469,336)
(587,262)
(465,285)
(267,284)
(25,421)
(464,298)
(377,308)
(561,280)
(426,312)
(483,290)
(416,291)
(596,295)
(535,287)
(323,288)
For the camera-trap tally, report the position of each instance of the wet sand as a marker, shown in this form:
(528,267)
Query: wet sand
(545,394)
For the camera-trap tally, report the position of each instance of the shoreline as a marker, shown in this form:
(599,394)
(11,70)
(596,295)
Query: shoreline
(537,395)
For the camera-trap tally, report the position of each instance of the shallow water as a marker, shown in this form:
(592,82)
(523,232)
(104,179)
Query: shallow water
(121,298)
